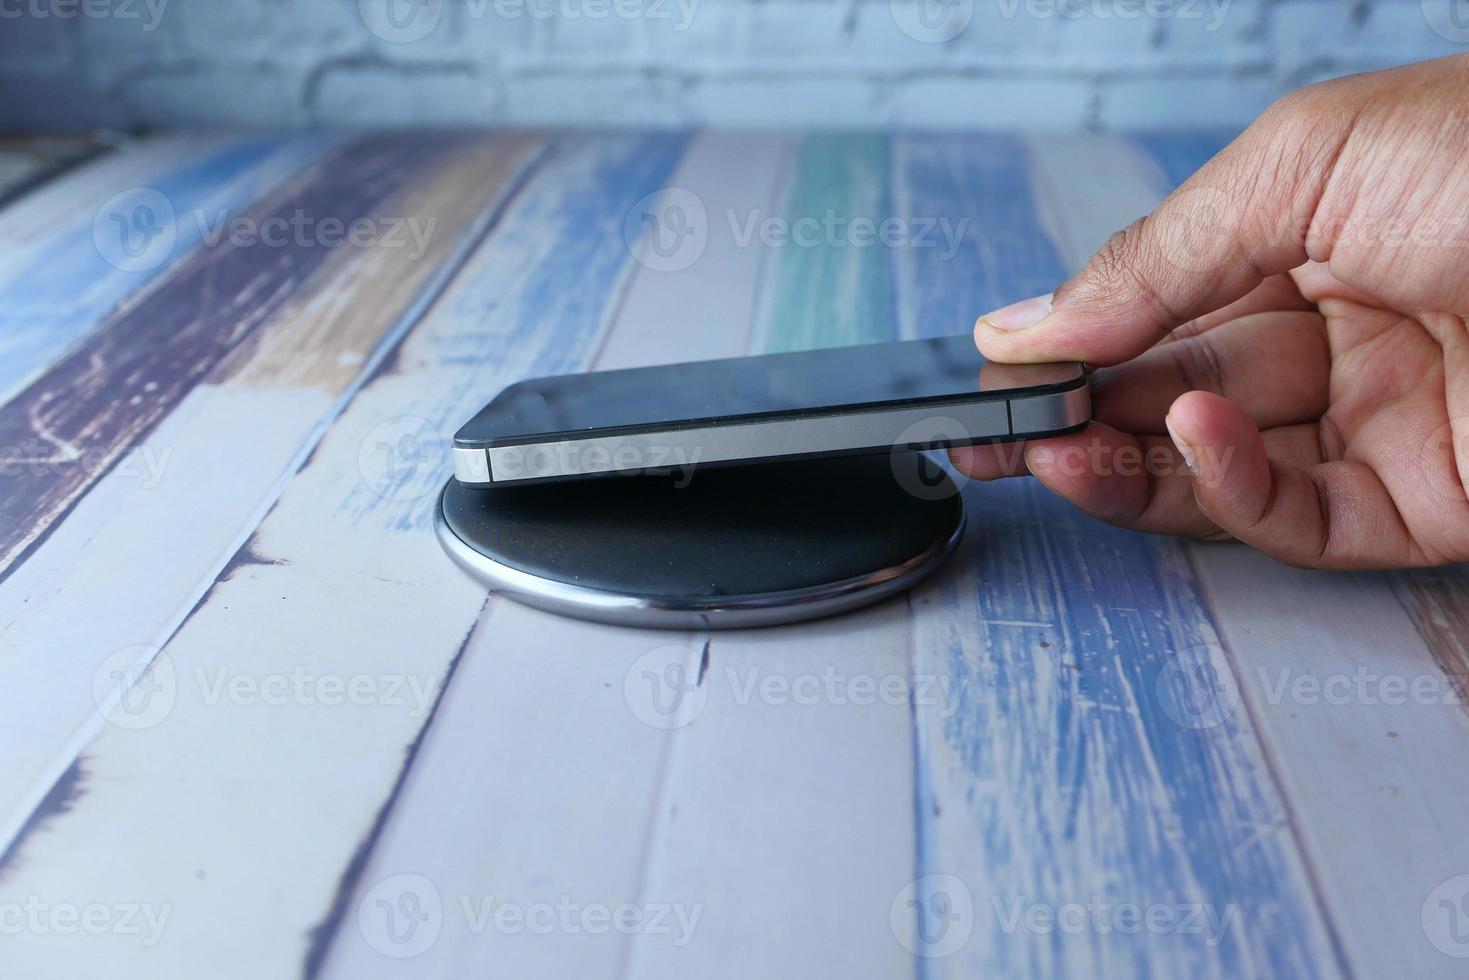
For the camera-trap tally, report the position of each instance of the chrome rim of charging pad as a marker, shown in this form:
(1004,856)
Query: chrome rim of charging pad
(942,527)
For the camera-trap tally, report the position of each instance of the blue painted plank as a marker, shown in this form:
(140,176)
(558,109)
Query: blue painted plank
(1073,772)
(1180,154)
(67,284)
(570,232)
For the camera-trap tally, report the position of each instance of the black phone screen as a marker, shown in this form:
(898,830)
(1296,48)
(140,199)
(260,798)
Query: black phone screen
(825,380)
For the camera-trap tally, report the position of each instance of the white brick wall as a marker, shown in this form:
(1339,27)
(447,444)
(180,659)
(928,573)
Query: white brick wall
(1061,64)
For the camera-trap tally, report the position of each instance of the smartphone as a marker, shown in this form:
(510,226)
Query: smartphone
(875,398)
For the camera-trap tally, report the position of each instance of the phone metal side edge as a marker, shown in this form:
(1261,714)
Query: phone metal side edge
(980,421)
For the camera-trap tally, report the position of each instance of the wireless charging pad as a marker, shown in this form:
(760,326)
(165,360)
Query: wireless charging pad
(738,546)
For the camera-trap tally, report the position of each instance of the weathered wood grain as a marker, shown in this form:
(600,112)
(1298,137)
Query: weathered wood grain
(26,162)
(67,427)
(827,289)
(1072,777)
(62,268)
(642,814)
(1355,684)
(1085,740)
(219,458)
(817,712)
(341,580)
(1359,718)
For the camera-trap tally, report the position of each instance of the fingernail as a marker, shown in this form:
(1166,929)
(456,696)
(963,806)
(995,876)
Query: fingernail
(1018,316)
(1190,459)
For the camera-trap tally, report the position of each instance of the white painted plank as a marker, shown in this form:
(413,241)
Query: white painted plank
(1362,726)
(787,813)
(598,806)
(1088,186)
(239,809)
(1326,666)
(182,503)
(699,301)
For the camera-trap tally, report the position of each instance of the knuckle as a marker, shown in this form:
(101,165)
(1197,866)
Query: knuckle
(1200,364)
(1128,271)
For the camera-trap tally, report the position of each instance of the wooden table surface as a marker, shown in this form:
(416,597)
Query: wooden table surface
(1075,751)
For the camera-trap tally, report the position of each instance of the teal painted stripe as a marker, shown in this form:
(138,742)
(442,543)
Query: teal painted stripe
(830,277)
(1066,773)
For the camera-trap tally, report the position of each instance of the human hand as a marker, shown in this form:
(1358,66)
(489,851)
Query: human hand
(1282,344)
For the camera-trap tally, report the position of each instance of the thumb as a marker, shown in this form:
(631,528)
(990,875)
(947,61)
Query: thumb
(1241,218)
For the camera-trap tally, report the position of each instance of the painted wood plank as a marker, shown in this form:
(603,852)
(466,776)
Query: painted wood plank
(1359,717)
(28,162)
(1354,682)
(1071,782)
(1120,185)
(674,807)
(64,266)
(565,817)
(802,751)
(839,181)
(342,580)
(61,616)
(69,425)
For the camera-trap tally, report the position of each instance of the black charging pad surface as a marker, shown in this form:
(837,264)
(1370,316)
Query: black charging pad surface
(728,547)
